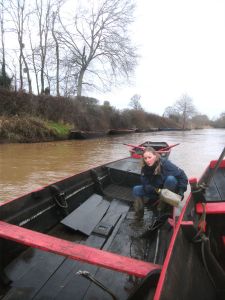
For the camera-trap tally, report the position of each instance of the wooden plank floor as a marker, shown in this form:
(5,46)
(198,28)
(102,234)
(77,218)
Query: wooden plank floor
(40,275)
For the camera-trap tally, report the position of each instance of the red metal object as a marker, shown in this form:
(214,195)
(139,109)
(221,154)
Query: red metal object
(76,251)
(211,208)
(169,147)
(134,146)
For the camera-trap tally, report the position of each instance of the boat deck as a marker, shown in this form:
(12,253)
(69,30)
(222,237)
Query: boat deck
(38,274)
(216,190)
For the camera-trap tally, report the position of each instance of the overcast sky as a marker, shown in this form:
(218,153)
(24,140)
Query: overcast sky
(182,48)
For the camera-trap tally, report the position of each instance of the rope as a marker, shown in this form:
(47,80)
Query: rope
(59,204)
(204,261)
(201,225)
(90,277)
(157,246)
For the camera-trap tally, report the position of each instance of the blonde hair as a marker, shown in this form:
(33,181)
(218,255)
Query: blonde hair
(153,151)
(157,161)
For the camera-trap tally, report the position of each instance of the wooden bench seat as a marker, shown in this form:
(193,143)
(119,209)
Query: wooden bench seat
(76,251)
(211,208)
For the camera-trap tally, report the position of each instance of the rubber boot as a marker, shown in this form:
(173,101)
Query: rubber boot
(139,207)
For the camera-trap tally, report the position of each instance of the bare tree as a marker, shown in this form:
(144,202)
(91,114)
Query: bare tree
(56,20)
(172,114)
(135,102)
(185,108)
(200,121)
(3,71)
(43,13)
(17,11)
(56,51)
(99,43)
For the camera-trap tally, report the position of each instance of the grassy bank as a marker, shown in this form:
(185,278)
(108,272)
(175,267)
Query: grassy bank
(29,129)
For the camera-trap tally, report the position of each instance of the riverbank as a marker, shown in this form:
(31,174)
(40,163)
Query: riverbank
(38,118)
(29,129)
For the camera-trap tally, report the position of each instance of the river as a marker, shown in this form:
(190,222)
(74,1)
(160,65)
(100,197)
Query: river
(26,167)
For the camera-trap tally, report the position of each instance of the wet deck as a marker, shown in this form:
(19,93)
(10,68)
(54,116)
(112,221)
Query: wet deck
(37,274)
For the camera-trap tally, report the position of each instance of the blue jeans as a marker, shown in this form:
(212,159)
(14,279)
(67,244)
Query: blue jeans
(149,191)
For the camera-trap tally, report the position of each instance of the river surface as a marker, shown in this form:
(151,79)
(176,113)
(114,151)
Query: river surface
(26,167)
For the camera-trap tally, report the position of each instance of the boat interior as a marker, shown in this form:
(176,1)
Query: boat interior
(79,239)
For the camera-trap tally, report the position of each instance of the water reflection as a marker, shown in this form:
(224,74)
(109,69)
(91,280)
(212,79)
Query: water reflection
(25,167)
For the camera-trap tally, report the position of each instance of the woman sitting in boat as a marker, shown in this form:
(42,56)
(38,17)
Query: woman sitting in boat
(157,173)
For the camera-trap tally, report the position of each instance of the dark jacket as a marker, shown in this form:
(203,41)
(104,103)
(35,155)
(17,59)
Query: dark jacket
(167,168)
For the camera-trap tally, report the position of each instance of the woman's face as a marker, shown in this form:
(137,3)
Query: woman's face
(149,158)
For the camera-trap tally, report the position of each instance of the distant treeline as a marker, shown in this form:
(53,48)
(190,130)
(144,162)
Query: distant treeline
(82,113)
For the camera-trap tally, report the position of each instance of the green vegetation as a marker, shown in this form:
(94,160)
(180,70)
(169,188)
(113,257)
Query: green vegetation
(61,130)
(30,129)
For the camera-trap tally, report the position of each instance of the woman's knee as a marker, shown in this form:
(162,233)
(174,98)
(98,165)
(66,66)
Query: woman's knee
(138,191)
(170,183)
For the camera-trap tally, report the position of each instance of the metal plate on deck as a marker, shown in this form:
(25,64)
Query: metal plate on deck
(103,229)
(88,215)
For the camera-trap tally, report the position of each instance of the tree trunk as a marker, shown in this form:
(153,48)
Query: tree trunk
(3,48)
(80,82)
(34,64)
(21,70)
(28,74)
(57,57)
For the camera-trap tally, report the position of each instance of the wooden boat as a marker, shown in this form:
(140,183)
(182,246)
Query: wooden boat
(152,129)
(84,134)
(120,131)
(173,129)
(162,147)
(78,239)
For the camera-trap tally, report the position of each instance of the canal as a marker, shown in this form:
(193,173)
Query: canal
(26,167)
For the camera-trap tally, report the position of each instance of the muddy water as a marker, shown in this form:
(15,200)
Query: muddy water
(25,167)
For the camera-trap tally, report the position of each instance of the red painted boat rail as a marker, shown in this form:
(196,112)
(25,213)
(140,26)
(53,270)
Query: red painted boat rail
(74,251)
(211,208)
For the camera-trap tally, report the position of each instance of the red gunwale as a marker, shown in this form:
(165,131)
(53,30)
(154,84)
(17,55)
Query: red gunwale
(76,251)
(169,253)
(211,208)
